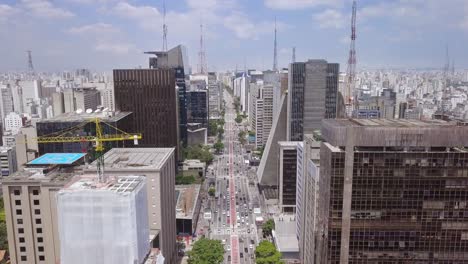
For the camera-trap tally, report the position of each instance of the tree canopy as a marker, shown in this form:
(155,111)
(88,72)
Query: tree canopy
(218,146)
(266,253)
(199,152)
(206,251)
(267,227)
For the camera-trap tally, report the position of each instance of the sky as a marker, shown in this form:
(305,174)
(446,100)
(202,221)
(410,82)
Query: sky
(109,34)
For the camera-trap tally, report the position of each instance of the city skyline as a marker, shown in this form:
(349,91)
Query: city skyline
(107,34)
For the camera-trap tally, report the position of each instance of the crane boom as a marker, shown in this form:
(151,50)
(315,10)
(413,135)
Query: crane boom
(98,139)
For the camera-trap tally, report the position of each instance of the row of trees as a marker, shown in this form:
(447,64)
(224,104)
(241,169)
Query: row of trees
(211,251)
(3,228)
(241,135)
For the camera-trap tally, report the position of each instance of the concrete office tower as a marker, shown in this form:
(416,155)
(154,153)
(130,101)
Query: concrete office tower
(313,89)
(177,60)
(267,95)
(158,166)
(26,147)
(258,123)
(81,98)
(254,94)
(287,175)
(215,94)
(396,191)
(29,90)
(307,231)
(197,107)
(267,172)
(31,214)
(241,90)
(152,97)
(6,101)
(17,95)
(108,98)
(13,122)
(8,162)
(58,104)
(103,223)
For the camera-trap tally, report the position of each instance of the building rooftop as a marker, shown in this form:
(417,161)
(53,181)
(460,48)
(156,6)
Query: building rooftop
(106,116)
(134,159)
(120,184)
(186,200)
(51,174)
(394,133)
(57,158)
(285,233)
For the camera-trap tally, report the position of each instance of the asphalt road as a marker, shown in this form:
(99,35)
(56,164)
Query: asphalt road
(232,220)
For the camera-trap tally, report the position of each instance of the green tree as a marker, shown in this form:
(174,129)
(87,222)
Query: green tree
(213,128)
(267,227)
(241,136)
(211,191)
(238,119)
(184,180)
(199,152)
(218,146)
(266,253)
(206,251)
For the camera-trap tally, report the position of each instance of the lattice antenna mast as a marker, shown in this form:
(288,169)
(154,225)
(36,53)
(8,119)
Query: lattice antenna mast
(351,70)
(275,54)
(446,67)
(164,27)
(30,62)
(293,54)
(202,68)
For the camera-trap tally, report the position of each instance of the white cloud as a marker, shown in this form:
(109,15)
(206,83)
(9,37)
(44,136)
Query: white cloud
(330,18)
(46,9)
(94,29)
(6,11)
(115,48)
(244,28)
(300,4)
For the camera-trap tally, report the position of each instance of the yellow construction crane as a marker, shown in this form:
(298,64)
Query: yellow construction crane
(98,140)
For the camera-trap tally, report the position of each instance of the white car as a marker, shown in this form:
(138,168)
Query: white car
(251,246)
(228,248)
(224,212)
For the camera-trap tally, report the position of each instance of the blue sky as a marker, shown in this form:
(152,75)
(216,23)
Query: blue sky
(107,34)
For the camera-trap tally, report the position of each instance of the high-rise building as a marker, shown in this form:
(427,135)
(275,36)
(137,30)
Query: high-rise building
(176,59)
(267,172)
(215,94)
(158,166)
(313,88)
(13,122)
(58,104)
(197,107)
(73,124)
(287,175)
(267,95)
(81,98)
(108,98)
(8,163)
(394,191)
(6,101)
(152,97)
(307,232)
(103,222)
(241,90)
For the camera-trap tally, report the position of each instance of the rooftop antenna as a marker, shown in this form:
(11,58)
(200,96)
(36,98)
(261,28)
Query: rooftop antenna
(275,55)
(30,62)
(293,54)
(202,68)
(351,70)
(164,27)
